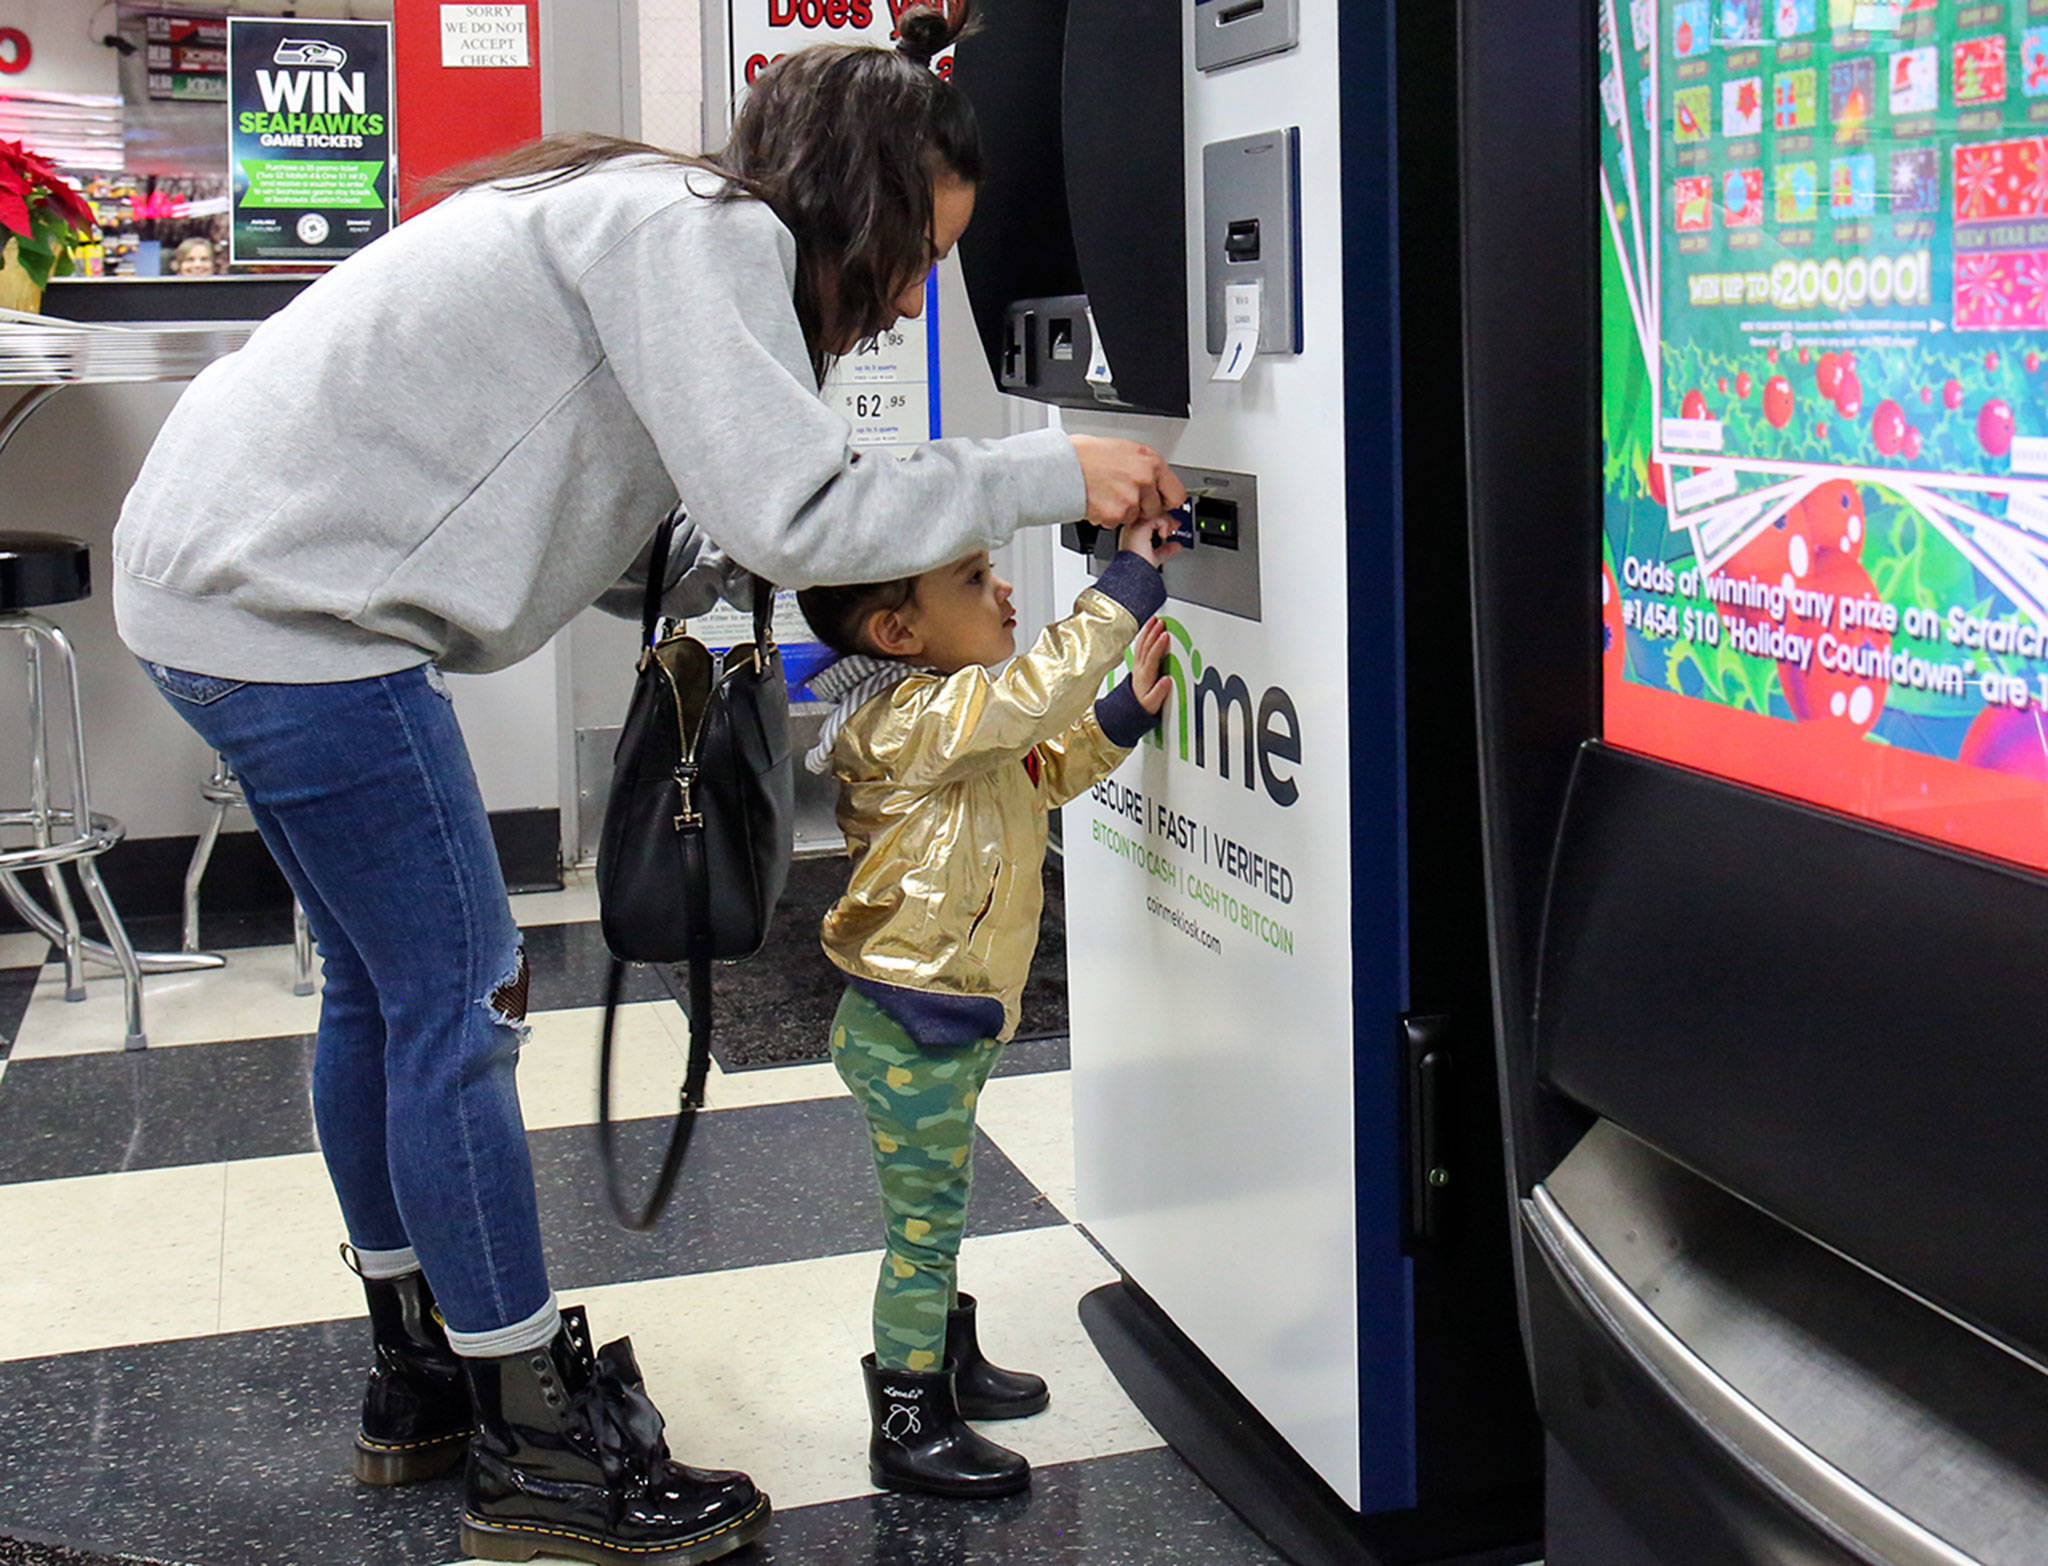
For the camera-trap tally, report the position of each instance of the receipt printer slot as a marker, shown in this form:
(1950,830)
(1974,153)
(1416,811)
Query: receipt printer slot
(1229,32)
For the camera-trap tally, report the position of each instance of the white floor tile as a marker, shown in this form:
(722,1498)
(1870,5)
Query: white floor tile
(103,1260)
(23,951)
(558,1066)
(558,1069)
(765,1357)
(252,1243)
(251,998)
(771,1085)
(575,903)
(281,1232)
(1032,1120)
(759,1368)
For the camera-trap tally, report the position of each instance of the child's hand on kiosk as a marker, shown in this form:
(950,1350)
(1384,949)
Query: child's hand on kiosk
(1148,539)
(1147,684)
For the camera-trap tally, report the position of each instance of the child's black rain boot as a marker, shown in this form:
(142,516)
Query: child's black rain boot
(568,1459)
(920,1442)
(982,1390)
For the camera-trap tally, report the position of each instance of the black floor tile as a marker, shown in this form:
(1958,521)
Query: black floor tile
(1020,1057)
(29,1552)
(16,986)
(1033,1057)
(774,1183)
(568,964)
(218,932)
(227,930)
(148,1109)
(775,1007)
(233,1451)
(768,1183)
(567,961)
(1134,1509)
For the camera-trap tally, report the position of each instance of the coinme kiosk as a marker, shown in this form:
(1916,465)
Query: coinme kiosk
(1224,229)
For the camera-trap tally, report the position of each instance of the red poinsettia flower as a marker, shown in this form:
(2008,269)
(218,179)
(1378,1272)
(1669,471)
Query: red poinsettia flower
(28,181)
(65,197)
(30,161)
(42,214)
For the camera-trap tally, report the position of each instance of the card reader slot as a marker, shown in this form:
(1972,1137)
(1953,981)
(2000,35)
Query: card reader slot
(1238,13)
(1216,521)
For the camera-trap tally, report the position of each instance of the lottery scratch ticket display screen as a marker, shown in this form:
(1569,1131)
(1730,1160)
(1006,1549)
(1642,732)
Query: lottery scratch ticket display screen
(1825,403)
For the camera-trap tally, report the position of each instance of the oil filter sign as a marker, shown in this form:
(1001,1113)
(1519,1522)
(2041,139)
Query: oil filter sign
(309,137)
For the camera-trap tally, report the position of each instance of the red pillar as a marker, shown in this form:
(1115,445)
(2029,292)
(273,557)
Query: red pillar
(449,115)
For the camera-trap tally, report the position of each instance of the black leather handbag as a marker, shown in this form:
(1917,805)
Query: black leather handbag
(696,842)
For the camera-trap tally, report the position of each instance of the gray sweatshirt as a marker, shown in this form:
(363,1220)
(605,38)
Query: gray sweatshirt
(452,443)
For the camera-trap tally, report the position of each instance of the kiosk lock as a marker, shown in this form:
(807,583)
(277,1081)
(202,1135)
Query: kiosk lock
(1425,1045)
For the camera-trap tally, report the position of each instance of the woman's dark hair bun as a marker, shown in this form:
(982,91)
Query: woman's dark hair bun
(927,26)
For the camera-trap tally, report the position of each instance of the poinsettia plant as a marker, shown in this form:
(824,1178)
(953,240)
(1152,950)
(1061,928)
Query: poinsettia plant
(43,211)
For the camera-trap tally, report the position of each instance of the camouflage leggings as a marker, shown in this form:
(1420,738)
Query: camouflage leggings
(920,1108)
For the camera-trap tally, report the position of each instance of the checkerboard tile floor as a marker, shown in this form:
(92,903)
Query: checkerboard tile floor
(181,1350)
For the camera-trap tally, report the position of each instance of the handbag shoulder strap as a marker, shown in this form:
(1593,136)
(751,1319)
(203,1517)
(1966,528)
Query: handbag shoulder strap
(657,586)
(641,1216)
(657,577)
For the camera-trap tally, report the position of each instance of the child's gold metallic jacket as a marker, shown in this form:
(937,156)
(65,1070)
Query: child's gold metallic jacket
(945,782)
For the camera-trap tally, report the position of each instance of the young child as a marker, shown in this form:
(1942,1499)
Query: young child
(946,770)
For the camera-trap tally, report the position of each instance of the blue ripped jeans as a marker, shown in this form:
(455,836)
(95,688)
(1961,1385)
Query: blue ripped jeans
(364,793)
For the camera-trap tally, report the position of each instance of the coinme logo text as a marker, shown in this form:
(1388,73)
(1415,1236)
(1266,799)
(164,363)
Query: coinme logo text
(1219,727)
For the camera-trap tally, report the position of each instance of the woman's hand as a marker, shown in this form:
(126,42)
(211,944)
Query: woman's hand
(1147,684)
(1125,481)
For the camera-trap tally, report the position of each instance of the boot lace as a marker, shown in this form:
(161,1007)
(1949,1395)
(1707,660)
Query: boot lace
(623,1422)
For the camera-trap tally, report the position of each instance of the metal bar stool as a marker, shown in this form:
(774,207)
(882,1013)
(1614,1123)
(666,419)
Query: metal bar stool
(223,791)
(38,570)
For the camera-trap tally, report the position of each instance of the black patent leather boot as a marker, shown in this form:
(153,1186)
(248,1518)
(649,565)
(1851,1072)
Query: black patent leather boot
(568,1459)
(416,1407)
(920,1442)
(982,1390)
